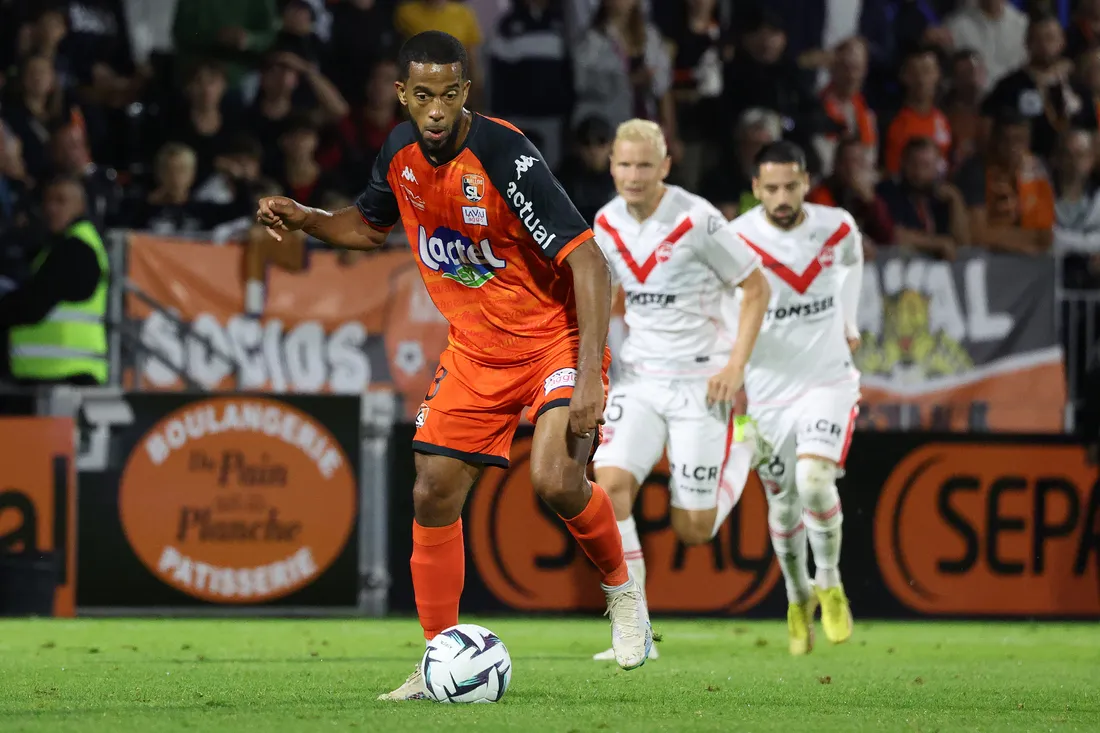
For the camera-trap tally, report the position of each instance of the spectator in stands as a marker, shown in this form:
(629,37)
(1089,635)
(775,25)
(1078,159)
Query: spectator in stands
(586,173)
(281,76)
(1077,206)
(530,44)
(852,187)
(929,213)
(1008,192)
(362,34)
(235,33)
(996,30)
(1088,75)
(236,173)
(962,105)
(56,318)
(1084,31)
(728,185)
(843,102)
(98,48)
(623,70)
(13,179)
(360,135)
(919,116)
(917,23)
(43,37)
(72,158)
(40,106)
(170,209)
(1043,90)
(761,76)
(449,16)
(697,87)
(297,35)
(302,177)
(203,127)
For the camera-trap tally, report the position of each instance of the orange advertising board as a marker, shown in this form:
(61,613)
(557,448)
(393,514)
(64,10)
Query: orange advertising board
(527,559)
(38,497)
(992,529)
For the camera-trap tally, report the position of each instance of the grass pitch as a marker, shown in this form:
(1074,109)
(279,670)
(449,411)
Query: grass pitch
(150,676)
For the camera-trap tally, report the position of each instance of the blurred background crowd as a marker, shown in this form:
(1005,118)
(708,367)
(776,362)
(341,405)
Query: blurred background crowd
(939,124)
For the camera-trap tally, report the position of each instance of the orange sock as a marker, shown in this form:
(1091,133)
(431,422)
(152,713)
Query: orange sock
(598,535)
(438,571)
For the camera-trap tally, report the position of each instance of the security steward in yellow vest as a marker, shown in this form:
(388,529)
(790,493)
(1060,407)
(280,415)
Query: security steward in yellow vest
(56,319)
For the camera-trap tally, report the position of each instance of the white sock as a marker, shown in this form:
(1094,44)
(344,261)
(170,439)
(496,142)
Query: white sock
(791,552)
(732,480)
(254,297)
(632,551)
(822,516)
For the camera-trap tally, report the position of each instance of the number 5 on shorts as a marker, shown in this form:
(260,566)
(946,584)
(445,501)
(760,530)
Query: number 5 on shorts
(614,411)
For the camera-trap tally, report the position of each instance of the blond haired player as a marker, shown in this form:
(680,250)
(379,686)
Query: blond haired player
(802,387)
(676,260)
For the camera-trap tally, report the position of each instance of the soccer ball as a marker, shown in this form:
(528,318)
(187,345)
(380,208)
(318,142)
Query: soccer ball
(466,663)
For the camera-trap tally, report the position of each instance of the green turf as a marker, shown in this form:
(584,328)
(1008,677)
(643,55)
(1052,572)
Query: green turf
(147,676)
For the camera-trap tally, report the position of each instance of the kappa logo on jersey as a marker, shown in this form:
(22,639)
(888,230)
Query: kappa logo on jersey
(561,378)
(413,198)
(526,213)
(407,174)
(661,300)
(523,164)
(421,415)
(458,257)
(473,187)
(800,310)
(475,215)
(714,223)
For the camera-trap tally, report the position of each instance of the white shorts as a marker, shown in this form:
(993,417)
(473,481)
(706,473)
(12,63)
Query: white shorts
(820,423)
(644,414)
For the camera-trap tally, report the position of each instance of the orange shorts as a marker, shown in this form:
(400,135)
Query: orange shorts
(472,410)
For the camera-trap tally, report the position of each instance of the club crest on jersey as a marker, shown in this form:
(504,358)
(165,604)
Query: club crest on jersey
(827,256)
(664,252)
(473,187)
(457,257)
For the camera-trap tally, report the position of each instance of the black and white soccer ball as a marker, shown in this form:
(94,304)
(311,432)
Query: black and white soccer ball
(466,663)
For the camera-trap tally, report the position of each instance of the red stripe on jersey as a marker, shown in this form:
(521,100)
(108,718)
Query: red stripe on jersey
(848,435)
(800,282)
(642,271)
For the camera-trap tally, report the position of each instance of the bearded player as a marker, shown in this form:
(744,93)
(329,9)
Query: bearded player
(514,268)
(801,384)
(679,370)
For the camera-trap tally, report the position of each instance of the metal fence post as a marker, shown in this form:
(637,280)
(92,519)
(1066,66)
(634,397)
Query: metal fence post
(378,415)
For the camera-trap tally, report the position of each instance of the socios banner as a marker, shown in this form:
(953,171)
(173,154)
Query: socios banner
(969,345)
(332,328)
(945,526)
(38,513)
(223,499)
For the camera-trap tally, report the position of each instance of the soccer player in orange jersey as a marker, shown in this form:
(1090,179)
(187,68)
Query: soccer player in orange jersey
(515,270)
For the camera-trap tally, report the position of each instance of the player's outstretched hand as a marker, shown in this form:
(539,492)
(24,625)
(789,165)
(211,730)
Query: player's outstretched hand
(586,406)
(278,213)
(723,387)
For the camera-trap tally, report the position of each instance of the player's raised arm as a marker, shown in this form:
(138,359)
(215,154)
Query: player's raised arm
(737,266)
(342,228)
(851,282)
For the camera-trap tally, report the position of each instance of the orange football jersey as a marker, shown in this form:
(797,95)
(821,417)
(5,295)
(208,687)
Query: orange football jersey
(490,229)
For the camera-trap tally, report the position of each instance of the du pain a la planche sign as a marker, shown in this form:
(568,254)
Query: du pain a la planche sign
(236,499)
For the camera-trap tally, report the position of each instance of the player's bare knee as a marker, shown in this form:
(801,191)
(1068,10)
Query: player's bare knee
(621,487)
(440,489)
(559,481)
(693,527)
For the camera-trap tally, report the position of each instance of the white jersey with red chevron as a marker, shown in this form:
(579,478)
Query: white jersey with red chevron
(815,271)
(677,268)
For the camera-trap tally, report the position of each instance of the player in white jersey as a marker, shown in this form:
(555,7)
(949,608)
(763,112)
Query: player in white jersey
(679,370)
(801,384)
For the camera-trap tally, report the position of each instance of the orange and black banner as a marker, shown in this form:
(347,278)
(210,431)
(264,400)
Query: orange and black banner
(223,500)
(934,526)
(37,516)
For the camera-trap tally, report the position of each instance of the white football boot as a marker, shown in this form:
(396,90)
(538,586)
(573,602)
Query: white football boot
(411,689)
(631,632)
